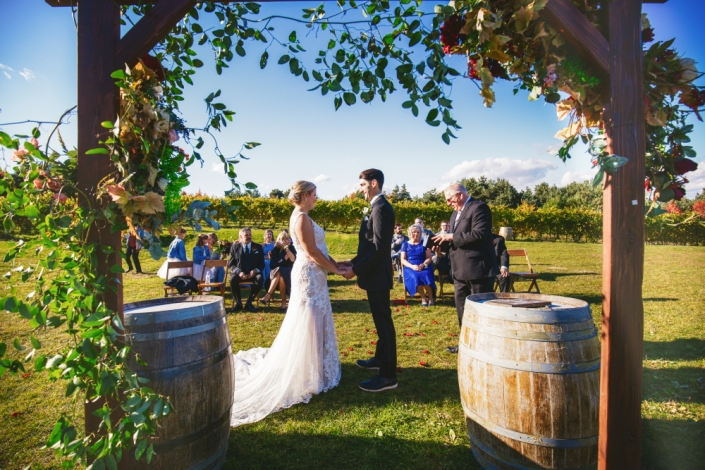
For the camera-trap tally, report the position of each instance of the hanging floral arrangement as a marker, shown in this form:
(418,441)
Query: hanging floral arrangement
(510,40)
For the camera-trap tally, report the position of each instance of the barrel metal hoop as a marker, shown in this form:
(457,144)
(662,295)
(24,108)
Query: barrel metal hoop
(531,439)
(534,315)
(544,368)
(186,313)
(136,337)
(171,372)
(212,461)
(508,460)
(546,336)
(484,463)
(193,437)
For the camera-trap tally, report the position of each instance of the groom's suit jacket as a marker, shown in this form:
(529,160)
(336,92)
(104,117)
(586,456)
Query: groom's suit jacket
(373,263)
(472,254)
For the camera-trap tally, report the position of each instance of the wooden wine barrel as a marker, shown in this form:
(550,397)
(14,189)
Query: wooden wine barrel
(530,381)
(186,345)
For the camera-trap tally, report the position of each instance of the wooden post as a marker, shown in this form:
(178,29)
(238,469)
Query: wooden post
(623,246)
(98,100)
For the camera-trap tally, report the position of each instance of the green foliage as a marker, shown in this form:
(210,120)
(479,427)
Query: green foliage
(399,194)
(498,192)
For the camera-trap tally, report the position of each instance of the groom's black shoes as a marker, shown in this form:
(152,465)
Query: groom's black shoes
(370,364)
(378,384)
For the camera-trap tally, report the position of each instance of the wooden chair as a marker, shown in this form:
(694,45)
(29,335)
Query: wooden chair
(213,287)
(529,275)
(171,291)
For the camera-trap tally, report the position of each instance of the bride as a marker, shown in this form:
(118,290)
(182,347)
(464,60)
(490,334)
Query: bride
(303,360)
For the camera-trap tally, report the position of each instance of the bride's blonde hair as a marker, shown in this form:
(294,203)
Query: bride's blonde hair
(299,190)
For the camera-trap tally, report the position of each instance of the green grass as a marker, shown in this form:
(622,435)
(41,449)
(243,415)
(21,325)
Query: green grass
(420,424)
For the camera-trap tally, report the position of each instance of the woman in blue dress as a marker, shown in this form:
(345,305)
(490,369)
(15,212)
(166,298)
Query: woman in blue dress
(177,252)
(418,267)
(267,247)
(201,253)
(217,274)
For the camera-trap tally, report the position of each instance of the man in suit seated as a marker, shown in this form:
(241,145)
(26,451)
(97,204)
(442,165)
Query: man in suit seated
(245,264)
(500,249)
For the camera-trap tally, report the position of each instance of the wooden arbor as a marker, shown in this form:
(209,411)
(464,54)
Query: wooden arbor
(101,50)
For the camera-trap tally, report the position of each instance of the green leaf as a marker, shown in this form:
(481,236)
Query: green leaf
(349,98)
(284,59)
(446,138)
(97,151)
(597,180)
(3,348)
(5,140)
(388,39)
(119,74)
(432,114)
(17,345)
(35,342)
(292,36)
(141,447)
(31,211)
(150,453)
(107,124)
(263,60)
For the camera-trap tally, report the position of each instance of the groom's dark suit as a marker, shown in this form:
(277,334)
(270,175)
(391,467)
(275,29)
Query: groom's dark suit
(472,254)
(373,268)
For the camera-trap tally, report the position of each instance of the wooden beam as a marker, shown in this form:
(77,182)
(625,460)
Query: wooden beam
(151,28)
(579,32)
(623,246)
(98,100)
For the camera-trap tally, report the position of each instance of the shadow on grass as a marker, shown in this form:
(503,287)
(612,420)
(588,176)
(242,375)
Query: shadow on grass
(662,299)
(265,450)
(315,435)
(684,384)
(672,444)
(552,277)
(681,349)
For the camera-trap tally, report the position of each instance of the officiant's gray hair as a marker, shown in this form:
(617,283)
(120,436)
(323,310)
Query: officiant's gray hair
(454,189)
(299,190)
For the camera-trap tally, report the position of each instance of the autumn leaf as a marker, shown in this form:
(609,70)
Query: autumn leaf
(118,193)
(522,18)
(563,108)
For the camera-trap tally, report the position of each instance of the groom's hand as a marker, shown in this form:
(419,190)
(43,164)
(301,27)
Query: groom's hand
(345,264)
(348,274)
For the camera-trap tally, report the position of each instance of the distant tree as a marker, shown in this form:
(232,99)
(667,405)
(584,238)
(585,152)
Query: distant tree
(432,196)
(499,192)
(399,194)
(278,194)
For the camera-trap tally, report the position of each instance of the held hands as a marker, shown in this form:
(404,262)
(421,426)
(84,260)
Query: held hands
(345,269)
(249,275)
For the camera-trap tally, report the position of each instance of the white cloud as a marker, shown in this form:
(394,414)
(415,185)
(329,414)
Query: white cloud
(7,74)
(27,74)
(696,181)
(321,178)
(218,167)
(575,176)
(518,172)
(5,67)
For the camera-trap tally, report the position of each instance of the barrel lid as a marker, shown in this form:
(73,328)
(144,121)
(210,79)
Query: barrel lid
(170,309)
(529,308)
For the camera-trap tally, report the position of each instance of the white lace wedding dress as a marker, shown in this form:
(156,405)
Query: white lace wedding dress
(303,360)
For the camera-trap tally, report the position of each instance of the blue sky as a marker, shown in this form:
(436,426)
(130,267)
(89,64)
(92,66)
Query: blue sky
(302,136)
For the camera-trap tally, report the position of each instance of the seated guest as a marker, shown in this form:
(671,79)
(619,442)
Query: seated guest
(397,240)
(267,246)
(439,263)
(418,270)
(245,265)
(176,252)
(500,249)
(283,257)
(217,274)
(425,233)
(201,252)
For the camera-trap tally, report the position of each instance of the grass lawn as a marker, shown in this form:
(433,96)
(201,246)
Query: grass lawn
(420,424)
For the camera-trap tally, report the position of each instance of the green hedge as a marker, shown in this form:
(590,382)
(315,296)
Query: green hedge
(527,223)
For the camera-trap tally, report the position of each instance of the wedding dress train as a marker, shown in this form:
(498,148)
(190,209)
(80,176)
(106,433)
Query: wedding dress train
(303,359)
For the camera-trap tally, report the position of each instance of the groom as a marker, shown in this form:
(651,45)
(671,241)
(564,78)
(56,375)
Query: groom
(373,268)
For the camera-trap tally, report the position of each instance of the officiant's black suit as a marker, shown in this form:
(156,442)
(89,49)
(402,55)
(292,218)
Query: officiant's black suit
(373,268)
(471,252)
(240,261)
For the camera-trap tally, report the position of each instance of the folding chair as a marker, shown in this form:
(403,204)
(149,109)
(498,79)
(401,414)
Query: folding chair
(213,287)
(529,275)
(171,291)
